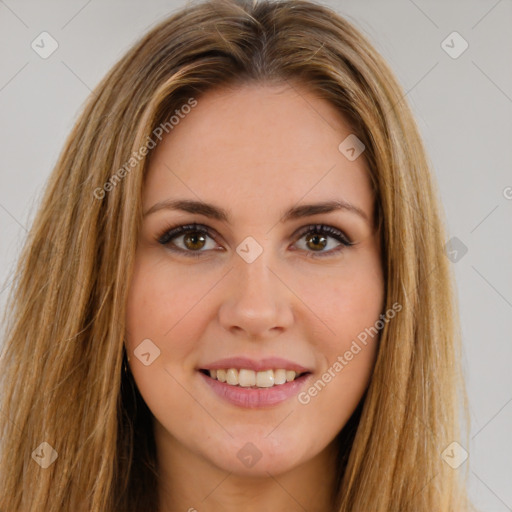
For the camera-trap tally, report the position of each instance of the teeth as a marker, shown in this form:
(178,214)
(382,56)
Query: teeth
(249,378)
(232,377)
(279,376)
(246,378)
(290,375)
(265,379)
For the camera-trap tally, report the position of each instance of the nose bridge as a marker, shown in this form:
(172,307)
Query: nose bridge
(257,300)
(256,284)
(256,279)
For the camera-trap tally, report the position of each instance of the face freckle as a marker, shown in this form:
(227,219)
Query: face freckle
(254,152)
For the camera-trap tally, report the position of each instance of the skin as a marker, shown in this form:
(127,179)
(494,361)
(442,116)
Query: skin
(256,151)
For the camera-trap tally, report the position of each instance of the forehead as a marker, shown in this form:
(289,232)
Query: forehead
(272,143)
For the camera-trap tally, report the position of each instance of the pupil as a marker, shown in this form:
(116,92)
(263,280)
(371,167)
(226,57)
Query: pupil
(194,239)
(316,237)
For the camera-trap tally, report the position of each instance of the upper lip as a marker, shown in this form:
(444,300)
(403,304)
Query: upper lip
(268,363)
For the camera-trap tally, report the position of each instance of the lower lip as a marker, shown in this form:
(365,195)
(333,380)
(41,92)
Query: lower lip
(252,398)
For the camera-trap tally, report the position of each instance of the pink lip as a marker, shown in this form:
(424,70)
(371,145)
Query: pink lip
(270,363)
(252,398)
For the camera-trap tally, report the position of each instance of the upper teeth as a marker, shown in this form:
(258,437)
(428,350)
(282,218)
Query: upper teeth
(248,378)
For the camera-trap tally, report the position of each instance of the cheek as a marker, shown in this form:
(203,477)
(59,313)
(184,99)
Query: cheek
(160,305)
(345,300)
(348,359)
(349,302)
(160,308)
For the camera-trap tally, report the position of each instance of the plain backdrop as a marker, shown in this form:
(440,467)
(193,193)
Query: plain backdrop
(463,106)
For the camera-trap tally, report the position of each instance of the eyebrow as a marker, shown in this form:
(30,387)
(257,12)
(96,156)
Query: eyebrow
(215,212)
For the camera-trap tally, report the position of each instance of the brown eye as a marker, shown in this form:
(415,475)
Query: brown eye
(317,239)
(194,239)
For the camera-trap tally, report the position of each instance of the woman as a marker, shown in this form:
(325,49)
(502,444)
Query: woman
(235,290)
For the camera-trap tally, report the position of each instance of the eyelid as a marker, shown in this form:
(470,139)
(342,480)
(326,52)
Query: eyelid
(176,230)
(173,231)
(324,229)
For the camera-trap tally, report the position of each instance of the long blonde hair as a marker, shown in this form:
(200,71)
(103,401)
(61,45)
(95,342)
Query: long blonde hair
(61,369)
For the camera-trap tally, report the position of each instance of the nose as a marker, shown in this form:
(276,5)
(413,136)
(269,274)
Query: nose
(257,302)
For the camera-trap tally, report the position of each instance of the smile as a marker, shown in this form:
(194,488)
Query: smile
(268,388)
(251,379)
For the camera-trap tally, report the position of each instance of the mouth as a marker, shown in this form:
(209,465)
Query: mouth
(250,379)
(250,389)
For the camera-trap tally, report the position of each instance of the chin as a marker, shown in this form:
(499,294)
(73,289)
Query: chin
(256,457)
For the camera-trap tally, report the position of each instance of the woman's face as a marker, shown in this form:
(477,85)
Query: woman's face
(259,292)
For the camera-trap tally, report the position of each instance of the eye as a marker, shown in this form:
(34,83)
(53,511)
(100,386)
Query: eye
(193,235)
(318,235)
(194,238)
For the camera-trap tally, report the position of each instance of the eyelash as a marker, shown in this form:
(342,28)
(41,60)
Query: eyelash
(172,232)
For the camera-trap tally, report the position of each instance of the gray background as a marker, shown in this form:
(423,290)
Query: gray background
(463,107)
